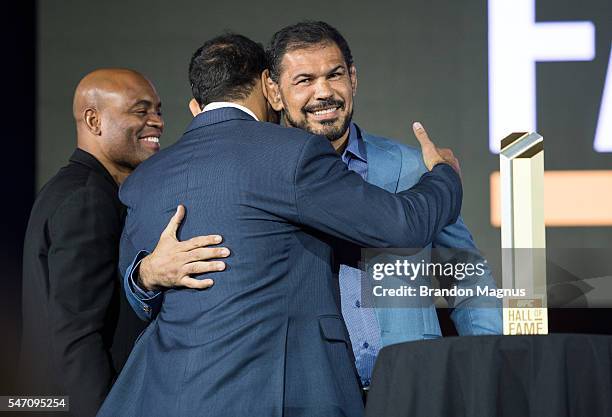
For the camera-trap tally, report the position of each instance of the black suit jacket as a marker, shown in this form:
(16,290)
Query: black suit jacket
(77,327)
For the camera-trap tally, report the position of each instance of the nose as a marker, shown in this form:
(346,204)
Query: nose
(156,120)
(323,90)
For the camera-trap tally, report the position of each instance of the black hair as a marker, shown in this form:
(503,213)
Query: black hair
(303,35)
(226,68)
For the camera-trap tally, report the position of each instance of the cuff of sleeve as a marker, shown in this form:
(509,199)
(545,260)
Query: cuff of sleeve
(144,303)
(141,294)
(448,172)
(443,166)
(478,321)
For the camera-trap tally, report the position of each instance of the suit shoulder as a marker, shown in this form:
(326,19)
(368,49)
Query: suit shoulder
(90,200)
(65,201)
(388,144)
(288,143)
(75,179)
(72,184)
(412,156)
(287,133)
(412,159)
(60,209)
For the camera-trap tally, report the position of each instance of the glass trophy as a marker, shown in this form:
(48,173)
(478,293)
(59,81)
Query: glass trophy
(523,233)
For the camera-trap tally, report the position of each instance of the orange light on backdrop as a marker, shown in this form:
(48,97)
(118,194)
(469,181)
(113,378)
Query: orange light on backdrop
(571,198)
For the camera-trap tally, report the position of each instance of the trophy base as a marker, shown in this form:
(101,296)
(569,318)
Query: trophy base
(525,316)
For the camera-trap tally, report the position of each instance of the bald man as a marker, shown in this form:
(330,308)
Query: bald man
(77,328)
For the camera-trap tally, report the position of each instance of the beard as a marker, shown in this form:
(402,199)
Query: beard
(332,130)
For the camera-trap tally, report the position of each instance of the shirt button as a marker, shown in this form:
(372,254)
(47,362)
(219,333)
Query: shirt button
(366,345)
(357,304)
(366,383)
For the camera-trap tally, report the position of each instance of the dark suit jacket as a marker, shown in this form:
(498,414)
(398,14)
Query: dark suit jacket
(268,338)
(72,343)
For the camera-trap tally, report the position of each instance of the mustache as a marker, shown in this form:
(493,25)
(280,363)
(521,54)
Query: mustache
(324,104)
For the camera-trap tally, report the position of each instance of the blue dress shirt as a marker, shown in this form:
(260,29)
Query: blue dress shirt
(361,322)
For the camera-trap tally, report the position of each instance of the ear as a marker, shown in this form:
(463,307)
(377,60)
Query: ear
(92,121)
(271,91)
(353,75)
(194,107)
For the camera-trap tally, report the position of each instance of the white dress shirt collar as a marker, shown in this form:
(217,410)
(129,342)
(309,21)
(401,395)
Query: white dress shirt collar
(221,104)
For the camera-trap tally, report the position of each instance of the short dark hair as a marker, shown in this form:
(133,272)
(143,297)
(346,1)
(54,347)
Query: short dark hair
(303,35)
(226,68)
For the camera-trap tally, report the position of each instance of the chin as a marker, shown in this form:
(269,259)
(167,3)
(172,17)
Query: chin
(331,129)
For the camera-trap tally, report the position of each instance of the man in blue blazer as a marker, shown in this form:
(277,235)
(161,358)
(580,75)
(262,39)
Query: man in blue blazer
(311,72)
(268,339)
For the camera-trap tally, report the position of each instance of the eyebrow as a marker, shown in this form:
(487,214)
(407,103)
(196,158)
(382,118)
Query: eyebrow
(336,69)
(304,74)
(145,103)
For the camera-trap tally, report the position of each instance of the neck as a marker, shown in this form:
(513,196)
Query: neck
(341,143)
(256,102)
(253,103)
(119,173)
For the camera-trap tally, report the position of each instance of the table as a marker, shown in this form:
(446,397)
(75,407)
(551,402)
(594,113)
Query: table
(560,375)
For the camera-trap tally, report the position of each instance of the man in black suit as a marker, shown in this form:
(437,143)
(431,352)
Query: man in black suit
(77,327)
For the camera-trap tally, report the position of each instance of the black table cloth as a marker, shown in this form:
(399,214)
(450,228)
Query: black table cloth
(560,375)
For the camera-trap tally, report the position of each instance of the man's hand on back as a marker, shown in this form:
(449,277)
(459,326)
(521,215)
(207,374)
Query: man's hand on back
(172,263)
(433,155)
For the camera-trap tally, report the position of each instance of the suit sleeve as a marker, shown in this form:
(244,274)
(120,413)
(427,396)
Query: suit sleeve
(337,201)
(477,315)
(84,235)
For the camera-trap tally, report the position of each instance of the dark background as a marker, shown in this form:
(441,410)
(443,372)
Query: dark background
(17,169)
(416,60)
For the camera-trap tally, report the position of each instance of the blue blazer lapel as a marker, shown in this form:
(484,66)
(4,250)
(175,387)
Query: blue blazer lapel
(384,165)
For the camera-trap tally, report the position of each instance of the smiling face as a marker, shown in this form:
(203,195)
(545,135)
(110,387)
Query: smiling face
(131,123)
(315,90)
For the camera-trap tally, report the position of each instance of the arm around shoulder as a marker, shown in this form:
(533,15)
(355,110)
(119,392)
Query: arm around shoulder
(337,201)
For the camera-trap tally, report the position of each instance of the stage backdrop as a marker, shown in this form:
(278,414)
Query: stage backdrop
(427,60)
(471,70)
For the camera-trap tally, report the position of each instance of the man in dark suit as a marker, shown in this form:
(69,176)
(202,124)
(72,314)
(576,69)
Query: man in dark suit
(268,339)
(76,331)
